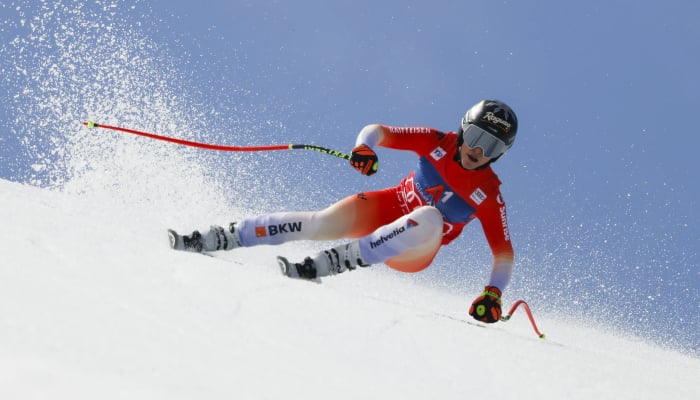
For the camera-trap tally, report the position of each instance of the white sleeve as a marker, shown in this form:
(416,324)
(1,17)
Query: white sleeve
(500,275)
(369,135)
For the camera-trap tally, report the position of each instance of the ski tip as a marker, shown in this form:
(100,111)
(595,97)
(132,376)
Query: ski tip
(172,238)
(89,124)
(283,263)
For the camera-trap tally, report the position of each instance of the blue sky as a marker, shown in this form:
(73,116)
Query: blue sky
(600,182)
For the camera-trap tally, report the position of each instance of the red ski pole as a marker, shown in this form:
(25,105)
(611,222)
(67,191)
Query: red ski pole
(529,315)
(91,124)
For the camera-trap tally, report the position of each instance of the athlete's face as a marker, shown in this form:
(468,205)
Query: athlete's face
(472,158)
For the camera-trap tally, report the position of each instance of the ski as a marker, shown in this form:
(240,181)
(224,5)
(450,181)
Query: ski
(284,265)
(184,243)
(174,239)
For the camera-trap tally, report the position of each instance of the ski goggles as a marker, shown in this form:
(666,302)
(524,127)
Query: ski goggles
(476,137)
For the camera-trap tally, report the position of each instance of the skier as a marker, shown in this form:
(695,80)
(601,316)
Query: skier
(403,226)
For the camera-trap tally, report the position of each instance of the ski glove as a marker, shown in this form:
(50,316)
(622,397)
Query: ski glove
(487,307)
(364,159)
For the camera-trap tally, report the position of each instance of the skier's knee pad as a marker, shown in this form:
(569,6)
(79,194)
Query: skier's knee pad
(429,220)
(429,235)
(418,228)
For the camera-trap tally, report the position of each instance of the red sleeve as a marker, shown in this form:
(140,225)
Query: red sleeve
(494,220)
(495,224)
(414,138)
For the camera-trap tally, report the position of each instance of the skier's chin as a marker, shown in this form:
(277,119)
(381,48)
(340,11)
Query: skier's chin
(470,163)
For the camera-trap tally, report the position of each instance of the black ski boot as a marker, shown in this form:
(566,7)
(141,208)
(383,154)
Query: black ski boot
(334,261)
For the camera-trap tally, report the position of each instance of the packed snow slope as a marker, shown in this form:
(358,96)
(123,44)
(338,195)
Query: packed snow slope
(93,304)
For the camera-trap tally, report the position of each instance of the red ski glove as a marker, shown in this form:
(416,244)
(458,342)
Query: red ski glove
(364,159)
(487,307)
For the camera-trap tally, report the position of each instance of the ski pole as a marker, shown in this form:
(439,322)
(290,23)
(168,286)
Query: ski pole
(335,153)
(529,315)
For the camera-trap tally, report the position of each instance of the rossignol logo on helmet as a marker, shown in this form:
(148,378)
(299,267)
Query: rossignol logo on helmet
(491,118)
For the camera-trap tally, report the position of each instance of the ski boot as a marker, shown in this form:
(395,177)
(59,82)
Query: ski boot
(337,260)
(217,238)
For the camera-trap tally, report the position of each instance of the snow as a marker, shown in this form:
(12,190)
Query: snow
(93,304)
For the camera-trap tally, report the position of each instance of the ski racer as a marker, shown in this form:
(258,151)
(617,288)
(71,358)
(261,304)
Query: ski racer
(403,226)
